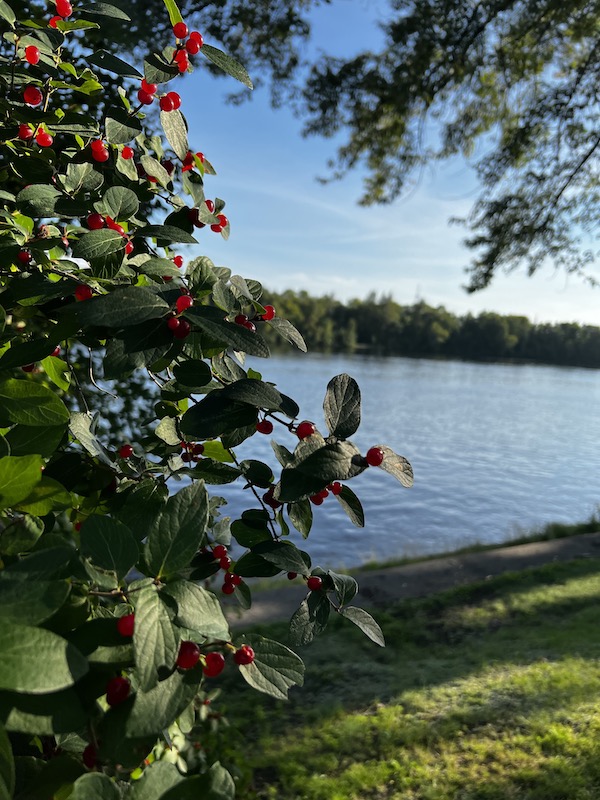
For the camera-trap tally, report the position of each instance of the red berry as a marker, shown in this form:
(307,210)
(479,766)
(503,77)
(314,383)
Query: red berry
(305,429)
(89,756)
(240,319)
(24,257)
(77,525)
(117,691)
(173,323)
(316,499)
(225,563)
(126,624)
(215,662)
(219,551)
(269,313)
(64,8)
(168,165)
(182,60)
(110,223)
(166,104)
(32,54)
(183,330)
(195,36)
(187,457)
(189,655)
(56,352)
(145,98)
(83,292)
(178,261)
(250,325)
(176,99)
(97,144)
(129,248)
(210,205)
(95,222)
(200,156)
(335,487)
(25,132)
(292,576)
(314,583)
(28,367)
(127,152)
(245,655)
(264,426)
(228,588)
(269,500)
(324,493)
(32,95)
(192,46)
(180,29)
(52,22)
(100,154)
(149,87)
(198,449)
(235,579)
(374,456)
(184,302)
(223,220)
(44,139)
(167,278)
(126,451)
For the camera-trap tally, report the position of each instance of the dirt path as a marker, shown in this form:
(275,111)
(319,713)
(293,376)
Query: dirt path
(382,587)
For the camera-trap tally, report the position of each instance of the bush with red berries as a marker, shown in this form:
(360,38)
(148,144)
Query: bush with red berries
(112,577)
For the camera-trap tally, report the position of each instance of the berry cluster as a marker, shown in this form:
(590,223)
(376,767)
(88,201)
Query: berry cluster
(96,222)
(335,488)
(170,101)
(192,451)
(243,319)
(186,47)
(64,9)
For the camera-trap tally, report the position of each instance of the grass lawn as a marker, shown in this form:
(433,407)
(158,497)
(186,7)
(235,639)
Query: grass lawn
(487,692)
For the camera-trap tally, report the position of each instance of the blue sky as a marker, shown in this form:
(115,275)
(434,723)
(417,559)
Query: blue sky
(289,231)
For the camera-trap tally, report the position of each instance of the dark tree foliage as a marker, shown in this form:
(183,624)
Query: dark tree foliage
(522,77)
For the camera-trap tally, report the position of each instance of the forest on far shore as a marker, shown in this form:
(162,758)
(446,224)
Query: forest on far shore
(381,326)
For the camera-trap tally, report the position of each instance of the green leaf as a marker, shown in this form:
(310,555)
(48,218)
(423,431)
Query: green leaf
(155,641)
(155,169)
(155,781)
(121,128)
(179,531)
(275,668)
(167,431)
(7,12)
(397,466)
(198,610)
(42,715)
(288,332)
(342,406)
(106,61)
(48,495)
(284,555)
(103,249)
(119,203)
(363,620)
(37,661)
(217,452)
(82,177)
(95,786)
(139,507)
(158,70)
(227,64)
(301,516)
(58,371)
(193,374)
(157,709)
(21,535)
(21,353)
(38,200)
(173,123)
(7,765)
(254,393)
(30,403)
(310,619)
(215,473)
(345,587)
(124,306)
(137,346)
(249,532)
(211,321)
(215,415)
(251,565)
(352,506)
(43,564)
(257,473)
(19,475)
(109,545)
(216,784)
(105,10)
(82,426)
(173,11)
(30,602)
(168,234)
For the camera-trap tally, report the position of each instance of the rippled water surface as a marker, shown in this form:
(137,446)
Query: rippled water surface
(496,450)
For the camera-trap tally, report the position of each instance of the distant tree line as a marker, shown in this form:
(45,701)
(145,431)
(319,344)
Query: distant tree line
(379,325)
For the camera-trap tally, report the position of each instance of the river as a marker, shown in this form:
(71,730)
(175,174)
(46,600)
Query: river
(497,450)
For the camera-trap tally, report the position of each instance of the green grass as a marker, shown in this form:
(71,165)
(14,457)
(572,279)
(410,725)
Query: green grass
(487,692)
